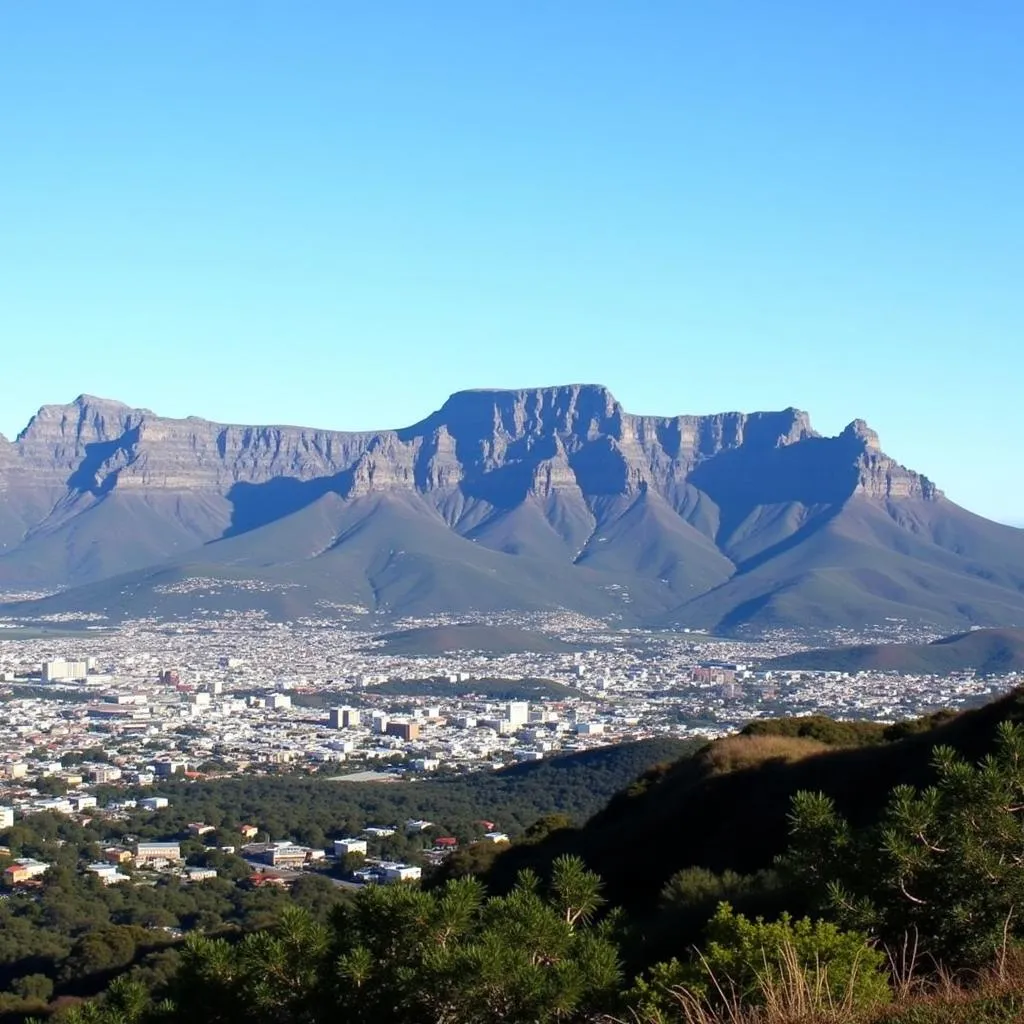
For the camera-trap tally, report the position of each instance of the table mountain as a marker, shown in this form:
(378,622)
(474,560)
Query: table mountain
(518,500)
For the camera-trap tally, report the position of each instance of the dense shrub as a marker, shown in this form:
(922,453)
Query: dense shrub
(944,863)
(784,963)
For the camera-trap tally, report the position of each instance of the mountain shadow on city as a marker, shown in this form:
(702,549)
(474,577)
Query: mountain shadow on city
(532,501)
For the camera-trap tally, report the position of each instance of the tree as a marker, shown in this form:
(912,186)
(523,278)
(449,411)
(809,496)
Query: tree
(99,950)
(33,987)
(945,863)
(451,955)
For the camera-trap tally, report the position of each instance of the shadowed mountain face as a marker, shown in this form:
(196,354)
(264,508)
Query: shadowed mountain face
(520,500)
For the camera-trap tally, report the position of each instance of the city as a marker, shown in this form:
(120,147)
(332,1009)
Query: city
(135,707)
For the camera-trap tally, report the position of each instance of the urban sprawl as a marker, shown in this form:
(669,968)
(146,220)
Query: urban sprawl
(238,693)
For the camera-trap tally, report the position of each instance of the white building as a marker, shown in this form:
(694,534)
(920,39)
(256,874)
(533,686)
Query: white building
(345,718)
(400,873)
(61,671)
(343,847)
(148,853)
(279,702)
(6,817)
(106,873)
(521,754)
(517,712)
(196,874)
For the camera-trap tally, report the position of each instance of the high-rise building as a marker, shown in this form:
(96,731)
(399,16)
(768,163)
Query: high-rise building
(517,712)
(407,731)
(61,671)
(344,718)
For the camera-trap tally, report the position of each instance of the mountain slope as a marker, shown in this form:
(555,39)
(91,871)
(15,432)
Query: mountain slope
(987,651)
(545,499)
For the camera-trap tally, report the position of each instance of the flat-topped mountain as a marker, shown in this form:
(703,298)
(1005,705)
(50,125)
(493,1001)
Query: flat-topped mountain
(551,498)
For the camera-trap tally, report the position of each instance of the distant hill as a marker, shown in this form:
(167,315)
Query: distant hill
(987,651)
(469,636)
(533,501)
(487,689)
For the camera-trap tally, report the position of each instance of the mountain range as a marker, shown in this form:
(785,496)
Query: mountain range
(531,500)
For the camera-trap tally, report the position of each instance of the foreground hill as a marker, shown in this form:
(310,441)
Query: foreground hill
(533,500)
(986,651)
(726,808)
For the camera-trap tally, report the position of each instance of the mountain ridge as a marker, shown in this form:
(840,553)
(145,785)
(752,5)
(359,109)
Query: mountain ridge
(701,519)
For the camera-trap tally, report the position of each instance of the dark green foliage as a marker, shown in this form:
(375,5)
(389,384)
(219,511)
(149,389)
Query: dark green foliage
(75,931)
(878,856)
(945,862)
(313,809)
(33,987)
(701,891)
(1001,1009)
(400,955)
(747,960)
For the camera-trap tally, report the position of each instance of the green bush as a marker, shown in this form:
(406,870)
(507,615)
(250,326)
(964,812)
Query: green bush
(803,963)
(943,863)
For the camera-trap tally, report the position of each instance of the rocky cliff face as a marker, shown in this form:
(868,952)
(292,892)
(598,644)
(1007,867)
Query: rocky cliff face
(497,445)
(549,498)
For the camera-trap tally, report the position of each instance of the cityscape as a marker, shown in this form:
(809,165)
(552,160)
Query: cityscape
(242,695)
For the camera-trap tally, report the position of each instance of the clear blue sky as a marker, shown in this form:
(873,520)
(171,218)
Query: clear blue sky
(337,214)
